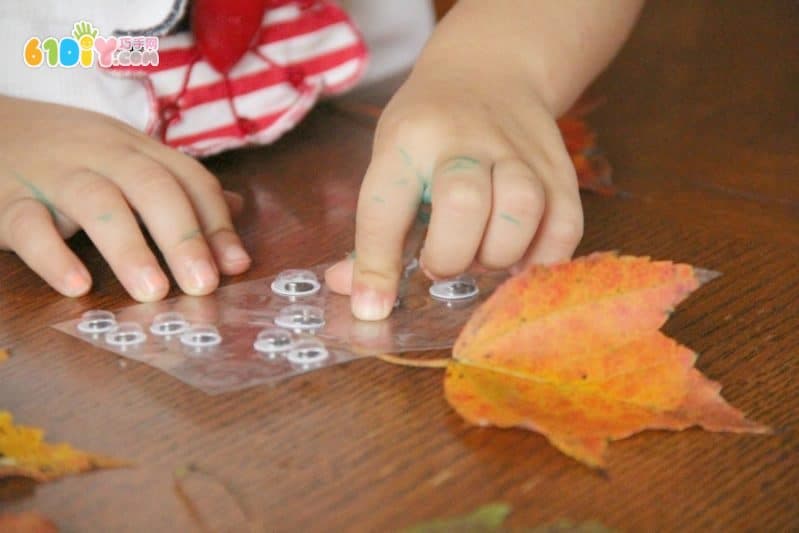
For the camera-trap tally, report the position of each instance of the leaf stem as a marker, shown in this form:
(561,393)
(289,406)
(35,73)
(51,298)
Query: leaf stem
(416,363)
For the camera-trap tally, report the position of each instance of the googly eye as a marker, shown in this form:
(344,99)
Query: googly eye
(301,318)
(307,353)
(296,283)
(273,340)
(201,336)
(125,335)
(97,322)
(169,324)
(460,288)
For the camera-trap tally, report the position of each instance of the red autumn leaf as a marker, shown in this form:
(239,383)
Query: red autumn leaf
(574,351)
(592,167)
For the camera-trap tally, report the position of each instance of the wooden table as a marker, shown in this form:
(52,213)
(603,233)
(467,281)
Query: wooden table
(702,125)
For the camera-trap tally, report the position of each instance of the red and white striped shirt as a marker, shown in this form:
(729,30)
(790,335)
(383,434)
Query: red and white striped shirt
(304,49)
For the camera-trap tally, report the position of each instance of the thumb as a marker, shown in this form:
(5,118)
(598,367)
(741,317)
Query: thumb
(339,277)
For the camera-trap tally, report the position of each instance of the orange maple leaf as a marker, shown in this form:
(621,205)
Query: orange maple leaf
(574,351)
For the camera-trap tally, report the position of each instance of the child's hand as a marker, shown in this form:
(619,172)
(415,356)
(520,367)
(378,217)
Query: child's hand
(474,129)
(63,169)
(489,156)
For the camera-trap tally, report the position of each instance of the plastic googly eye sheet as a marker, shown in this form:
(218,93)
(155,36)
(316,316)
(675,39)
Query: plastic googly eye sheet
(266,330)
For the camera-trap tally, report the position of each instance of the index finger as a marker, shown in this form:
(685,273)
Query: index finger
(387,205)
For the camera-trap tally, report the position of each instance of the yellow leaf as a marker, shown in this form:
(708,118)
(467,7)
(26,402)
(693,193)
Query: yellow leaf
(23,452)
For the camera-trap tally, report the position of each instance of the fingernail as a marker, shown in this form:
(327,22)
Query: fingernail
(202,275)
(76,282)
(235,254)
(152,283)
(367,304)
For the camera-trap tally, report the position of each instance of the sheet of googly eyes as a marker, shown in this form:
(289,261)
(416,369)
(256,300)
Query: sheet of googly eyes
(266,330)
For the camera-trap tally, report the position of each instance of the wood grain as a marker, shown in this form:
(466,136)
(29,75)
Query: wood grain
(702,125)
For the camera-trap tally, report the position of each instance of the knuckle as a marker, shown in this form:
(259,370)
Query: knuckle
(15,220)
(419,121)
(210,188)
(89,189)
(151,176)
(134,252)
(370,229)
(515,167)
(223,231)
(499,260)
(525,202)
(200,176)
(369,218)
(465,196)
(100,131)
(567,231)
(386,270)
(445,266)
(374,253)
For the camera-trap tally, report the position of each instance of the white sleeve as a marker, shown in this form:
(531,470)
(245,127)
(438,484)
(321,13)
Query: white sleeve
(87,88)
(395,32)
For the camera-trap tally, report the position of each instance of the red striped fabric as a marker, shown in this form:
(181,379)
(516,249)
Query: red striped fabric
(305,49)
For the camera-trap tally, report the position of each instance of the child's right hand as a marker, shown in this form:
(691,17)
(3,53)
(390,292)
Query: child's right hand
(63,169)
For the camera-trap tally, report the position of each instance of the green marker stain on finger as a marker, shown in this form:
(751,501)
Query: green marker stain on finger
(461,163)
(105,217)
(406,156)
(427,196)
(424,180)
(378,199)
(37,194)
(191,234)
(513,220)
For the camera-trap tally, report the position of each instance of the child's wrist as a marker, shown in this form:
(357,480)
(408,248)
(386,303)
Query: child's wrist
(492,67)
(492,79)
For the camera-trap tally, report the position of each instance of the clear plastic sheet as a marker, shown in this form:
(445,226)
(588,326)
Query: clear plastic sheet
(255,332)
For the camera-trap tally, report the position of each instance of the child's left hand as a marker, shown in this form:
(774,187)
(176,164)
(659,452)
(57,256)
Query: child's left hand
(486,151)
